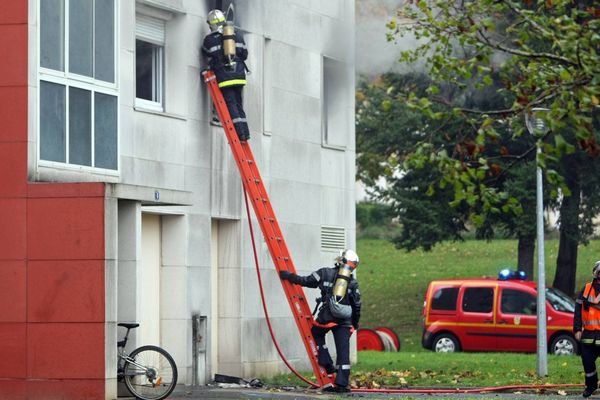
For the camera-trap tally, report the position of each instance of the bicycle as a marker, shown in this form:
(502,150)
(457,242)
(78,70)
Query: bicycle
(149,372)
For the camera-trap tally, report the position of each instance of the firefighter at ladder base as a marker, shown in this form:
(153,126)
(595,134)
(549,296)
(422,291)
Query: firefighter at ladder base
(340,304)
(227,53)
(586,327)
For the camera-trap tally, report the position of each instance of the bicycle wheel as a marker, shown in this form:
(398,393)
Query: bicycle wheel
(152,375)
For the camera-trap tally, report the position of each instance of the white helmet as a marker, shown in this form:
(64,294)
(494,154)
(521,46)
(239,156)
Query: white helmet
(350,257)
(596,270)
(215,19)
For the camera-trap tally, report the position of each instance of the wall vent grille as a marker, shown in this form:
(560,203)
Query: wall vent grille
(333,238)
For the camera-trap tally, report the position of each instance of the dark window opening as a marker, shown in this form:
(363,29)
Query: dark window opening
(478,300)
(517,302)
(444,299)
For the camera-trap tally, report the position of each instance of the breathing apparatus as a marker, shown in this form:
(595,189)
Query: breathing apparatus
(229,43)
(347,263)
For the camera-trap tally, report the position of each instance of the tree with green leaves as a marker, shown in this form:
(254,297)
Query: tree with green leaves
(388,131)
(544,54)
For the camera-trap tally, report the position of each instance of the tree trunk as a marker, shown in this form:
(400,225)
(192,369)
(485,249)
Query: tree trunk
(526,250)
(566,261)
(566,265)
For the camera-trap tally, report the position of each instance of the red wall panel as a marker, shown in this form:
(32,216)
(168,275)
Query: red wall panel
(13,113)
(13,291)
(65,228)
(13,341)
(13,389)
(13,243)
(65,389)
(65,351)
(53,286)
(13,169)
(13,47)
(13,12)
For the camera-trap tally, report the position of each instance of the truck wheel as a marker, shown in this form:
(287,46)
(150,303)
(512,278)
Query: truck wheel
(563,345)
(445,343)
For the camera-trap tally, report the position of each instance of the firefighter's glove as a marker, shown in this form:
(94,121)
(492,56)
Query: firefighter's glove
(285,275)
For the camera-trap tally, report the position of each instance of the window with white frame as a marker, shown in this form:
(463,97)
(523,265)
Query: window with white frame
(77,83)
(149,62)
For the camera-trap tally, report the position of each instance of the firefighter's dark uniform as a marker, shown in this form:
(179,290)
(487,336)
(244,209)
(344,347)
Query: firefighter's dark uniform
(324,279)
(231,79)
(587,319)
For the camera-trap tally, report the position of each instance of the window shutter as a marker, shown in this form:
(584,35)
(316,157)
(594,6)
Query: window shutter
(150,29)
(333,238)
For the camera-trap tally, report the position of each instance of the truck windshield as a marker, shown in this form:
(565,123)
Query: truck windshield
(559,300)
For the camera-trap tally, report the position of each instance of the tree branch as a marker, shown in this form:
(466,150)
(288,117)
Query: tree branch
(482,38)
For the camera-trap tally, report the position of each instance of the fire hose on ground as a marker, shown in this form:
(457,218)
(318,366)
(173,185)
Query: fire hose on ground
(382,390)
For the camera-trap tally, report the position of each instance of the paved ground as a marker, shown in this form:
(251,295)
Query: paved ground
(214,392)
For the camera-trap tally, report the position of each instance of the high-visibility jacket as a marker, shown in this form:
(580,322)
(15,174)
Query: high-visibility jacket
(213,49)
(590,312)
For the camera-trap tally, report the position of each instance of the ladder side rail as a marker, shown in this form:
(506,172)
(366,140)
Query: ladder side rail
(248,170)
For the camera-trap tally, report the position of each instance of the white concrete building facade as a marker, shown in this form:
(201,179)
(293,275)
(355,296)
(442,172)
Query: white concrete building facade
(176,233)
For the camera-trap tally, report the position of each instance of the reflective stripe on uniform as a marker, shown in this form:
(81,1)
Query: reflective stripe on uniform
(316,276)
(587,341)
(591,373)
(242,45)
(232,82)
(345,366)
(236,120)
(591,322)
(213,49)
(328,284)
(216,20)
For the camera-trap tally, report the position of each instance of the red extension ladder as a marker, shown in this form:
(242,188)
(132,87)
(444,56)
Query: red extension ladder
(253,184)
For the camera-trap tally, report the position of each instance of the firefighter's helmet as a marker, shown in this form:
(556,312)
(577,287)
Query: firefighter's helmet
(350,257)
(215,19)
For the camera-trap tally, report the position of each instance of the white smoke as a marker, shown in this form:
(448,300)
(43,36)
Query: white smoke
(374,54)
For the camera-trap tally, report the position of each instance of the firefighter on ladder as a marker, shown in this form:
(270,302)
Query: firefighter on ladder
(340,305)
(586,327)
(227,52)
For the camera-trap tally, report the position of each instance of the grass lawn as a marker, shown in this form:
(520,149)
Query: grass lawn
(393,282)
(393,285)
(428,369)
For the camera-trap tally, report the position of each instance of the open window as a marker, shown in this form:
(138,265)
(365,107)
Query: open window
(337,110)
(149,62)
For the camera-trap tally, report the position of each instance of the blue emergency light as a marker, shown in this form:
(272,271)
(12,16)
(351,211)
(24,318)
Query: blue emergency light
(507,274)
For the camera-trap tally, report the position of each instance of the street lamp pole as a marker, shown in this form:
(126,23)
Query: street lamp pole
(537,127)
